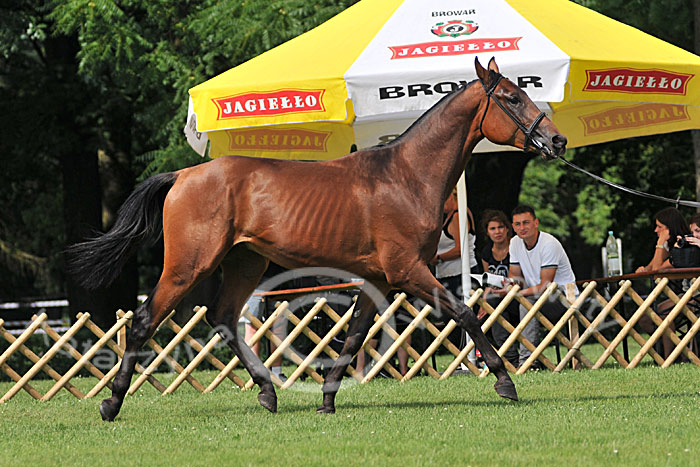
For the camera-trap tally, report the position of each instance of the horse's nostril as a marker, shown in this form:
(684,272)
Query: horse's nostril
(559,140)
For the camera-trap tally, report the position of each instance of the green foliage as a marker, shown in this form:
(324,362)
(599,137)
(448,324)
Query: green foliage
(538,180)
(669,20)
(593,212)
(31,225)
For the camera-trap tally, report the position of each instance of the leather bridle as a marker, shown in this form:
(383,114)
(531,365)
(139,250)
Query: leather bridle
(527,131)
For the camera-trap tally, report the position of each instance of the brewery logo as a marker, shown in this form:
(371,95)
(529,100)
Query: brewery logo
(454,28)
(270,139)
(461,47)
(629,117)
(258,104)
(636,81)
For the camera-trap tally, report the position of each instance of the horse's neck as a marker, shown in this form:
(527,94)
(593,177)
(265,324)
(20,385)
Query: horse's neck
(437,148)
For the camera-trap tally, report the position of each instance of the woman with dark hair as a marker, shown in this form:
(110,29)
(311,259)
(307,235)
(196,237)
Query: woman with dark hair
(670,224)
(495,259)
(694,224)
(494,256)
(670,227)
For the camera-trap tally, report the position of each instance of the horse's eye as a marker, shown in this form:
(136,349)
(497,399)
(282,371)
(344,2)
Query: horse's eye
(515,100)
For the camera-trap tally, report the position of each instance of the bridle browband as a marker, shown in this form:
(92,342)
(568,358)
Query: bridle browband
(527,131)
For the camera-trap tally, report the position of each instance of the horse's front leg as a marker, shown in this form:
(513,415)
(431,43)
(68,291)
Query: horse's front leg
(421,283)
(365,308)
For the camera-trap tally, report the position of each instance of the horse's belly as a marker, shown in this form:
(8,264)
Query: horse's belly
(291,250)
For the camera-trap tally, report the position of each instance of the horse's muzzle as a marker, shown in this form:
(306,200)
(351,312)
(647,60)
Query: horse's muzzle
(559,144)
(555,149)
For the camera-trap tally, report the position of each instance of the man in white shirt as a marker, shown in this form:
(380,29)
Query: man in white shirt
(536,260)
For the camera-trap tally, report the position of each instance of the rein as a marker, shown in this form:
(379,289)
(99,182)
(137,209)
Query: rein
(527,131)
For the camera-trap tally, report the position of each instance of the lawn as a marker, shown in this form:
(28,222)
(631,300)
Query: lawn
(647,416)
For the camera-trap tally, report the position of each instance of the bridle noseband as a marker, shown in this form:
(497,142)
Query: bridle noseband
(527,131)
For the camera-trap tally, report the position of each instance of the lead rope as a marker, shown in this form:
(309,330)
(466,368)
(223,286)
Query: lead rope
(676,202)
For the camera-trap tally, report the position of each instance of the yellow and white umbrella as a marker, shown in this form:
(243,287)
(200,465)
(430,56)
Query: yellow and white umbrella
(365,75)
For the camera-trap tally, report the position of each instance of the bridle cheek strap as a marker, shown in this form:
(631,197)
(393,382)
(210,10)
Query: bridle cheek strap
(528,131)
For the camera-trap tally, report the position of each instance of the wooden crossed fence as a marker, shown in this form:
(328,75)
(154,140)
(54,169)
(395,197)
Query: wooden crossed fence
(573,341)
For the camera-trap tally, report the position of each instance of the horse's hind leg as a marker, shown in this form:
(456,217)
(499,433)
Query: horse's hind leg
(164,297)
(365,308)
(188,260)
(242,270)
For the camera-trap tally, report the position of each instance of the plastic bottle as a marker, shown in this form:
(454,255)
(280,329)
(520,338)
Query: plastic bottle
(480,363)
(612,255)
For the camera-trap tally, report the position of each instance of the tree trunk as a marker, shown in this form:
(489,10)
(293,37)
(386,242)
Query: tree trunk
(82,197)
(494,179)
(82,215)
(117,182)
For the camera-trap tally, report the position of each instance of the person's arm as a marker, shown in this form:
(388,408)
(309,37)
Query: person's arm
(546,278)
(693,241)
(657,262)
(661,254)
(453,229)
(484,266)
(550,256)
(515,274)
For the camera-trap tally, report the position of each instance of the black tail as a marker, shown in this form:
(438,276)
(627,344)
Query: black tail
(98,261)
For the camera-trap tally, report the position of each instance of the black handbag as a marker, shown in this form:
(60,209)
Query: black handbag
(685,256)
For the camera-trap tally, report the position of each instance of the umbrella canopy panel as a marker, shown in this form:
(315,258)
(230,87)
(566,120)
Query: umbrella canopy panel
(365,75)
(425,51)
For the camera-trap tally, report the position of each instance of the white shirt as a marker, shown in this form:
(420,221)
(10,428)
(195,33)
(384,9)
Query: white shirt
(547,253)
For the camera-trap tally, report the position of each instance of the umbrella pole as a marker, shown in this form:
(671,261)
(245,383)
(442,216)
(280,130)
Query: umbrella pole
(464,251)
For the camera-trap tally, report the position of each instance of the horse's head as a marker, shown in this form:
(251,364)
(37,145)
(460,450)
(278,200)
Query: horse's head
(515,119)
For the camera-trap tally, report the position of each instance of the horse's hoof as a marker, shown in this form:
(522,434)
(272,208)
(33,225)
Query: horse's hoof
(108,410)
(325,409)
(268,400)
(506,389)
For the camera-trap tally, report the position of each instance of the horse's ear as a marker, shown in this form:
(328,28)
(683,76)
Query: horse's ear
(492,65)
(481,72)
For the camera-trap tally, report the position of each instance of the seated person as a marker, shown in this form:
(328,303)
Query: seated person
(495,259)
(448,258)
(694,226)
(536,260)
(670,227)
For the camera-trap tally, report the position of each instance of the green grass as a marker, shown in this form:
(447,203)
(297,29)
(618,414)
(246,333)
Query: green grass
(647,416)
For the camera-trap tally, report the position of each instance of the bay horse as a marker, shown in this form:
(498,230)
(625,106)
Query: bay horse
(239,213)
